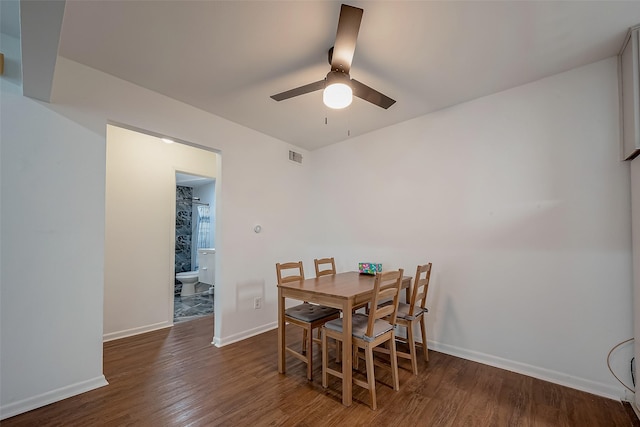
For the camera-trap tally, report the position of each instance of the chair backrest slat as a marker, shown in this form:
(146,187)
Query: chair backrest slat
(386,286)
(321,263)
(292,277)
(420,288)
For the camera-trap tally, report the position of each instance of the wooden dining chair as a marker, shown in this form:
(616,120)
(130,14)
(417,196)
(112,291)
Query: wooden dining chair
(412,313)
(324,267)
(331,269)
(321,269)
(369,331)
(307,316)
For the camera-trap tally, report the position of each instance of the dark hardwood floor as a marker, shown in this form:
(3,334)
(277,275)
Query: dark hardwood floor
(175,377)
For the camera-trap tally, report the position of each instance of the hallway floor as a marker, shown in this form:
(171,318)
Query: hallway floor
(193,306)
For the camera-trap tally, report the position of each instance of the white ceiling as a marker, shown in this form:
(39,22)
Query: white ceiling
(228,57)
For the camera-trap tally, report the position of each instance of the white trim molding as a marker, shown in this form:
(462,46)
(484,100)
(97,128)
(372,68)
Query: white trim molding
(597,388)
(221,342)
(135,331)
(52,396)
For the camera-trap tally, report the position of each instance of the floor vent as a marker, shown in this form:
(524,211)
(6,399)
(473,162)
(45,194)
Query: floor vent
(295,157)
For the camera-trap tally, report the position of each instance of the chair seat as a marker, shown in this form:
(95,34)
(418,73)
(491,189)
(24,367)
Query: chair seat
(310,312)
(403,310)
(359,326)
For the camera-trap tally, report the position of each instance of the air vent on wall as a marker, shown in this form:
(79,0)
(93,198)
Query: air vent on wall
(295,157)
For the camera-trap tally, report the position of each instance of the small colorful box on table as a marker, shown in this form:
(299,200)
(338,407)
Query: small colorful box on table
(369,268)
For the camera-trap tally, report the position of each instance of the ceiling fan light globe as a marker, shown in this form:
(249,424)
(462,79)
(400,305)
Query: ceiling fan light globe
(337,96)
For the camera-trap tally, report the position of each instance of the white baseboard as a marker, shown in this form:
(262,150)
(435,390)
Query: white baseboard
(52,396)
(221,342)
(630,396)
(593,387)
(135,331)
(634,407)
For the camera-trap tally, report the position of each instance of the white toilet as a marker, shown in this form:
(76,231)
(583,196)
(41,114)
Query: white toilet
(188,280)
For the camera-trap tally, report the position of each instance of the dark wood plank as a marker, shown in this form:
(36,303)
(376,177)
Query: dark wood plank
(175,377)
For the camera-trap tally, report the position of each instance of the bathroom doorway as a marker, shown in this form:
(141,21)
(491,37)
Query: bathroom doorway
(194,247)
(140,195)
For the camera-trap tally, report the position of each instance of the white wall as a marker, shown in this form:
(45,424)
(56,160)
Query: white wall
(256,182)
(635,210)
(140,228)
(520,201)
(62,147)
(10,47)
(51,265)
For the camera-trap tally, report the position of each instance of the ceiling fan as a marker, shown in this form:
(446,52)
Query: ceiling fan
(338,86)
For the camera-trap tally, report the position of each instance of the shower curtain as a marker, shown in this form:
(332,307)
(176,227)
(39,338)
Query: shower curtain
(203,229)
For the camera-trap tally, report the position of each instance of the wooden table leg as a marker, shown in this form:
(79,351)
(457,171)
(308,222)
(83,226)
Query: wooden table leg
(281,334)
(347,353)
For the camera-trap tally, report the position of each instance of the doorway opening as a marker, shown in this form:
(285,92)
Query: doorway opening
(140,218)
(194,247)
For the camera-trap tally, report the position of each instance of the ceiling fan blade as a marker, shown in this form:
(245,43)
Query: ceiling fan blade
(369,94)
(311,87)
(346,36)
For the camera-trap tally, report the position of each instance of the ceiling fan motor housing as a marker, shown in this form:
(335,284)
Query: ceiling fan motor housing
(334,77)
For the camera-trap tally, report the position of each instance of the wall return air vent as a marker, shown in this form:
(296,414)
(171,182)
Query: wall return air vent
(295,157)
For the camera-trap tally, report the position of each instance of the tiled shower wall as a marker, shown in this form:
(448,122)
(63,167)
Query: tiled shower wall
(184,197)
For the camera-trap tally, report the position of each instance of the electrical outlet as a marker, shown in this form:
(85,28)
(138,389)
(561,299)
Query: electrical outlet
(257,303)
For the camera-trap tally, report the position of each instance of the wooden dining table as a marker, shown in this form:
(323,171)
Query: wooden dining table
(343,291)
